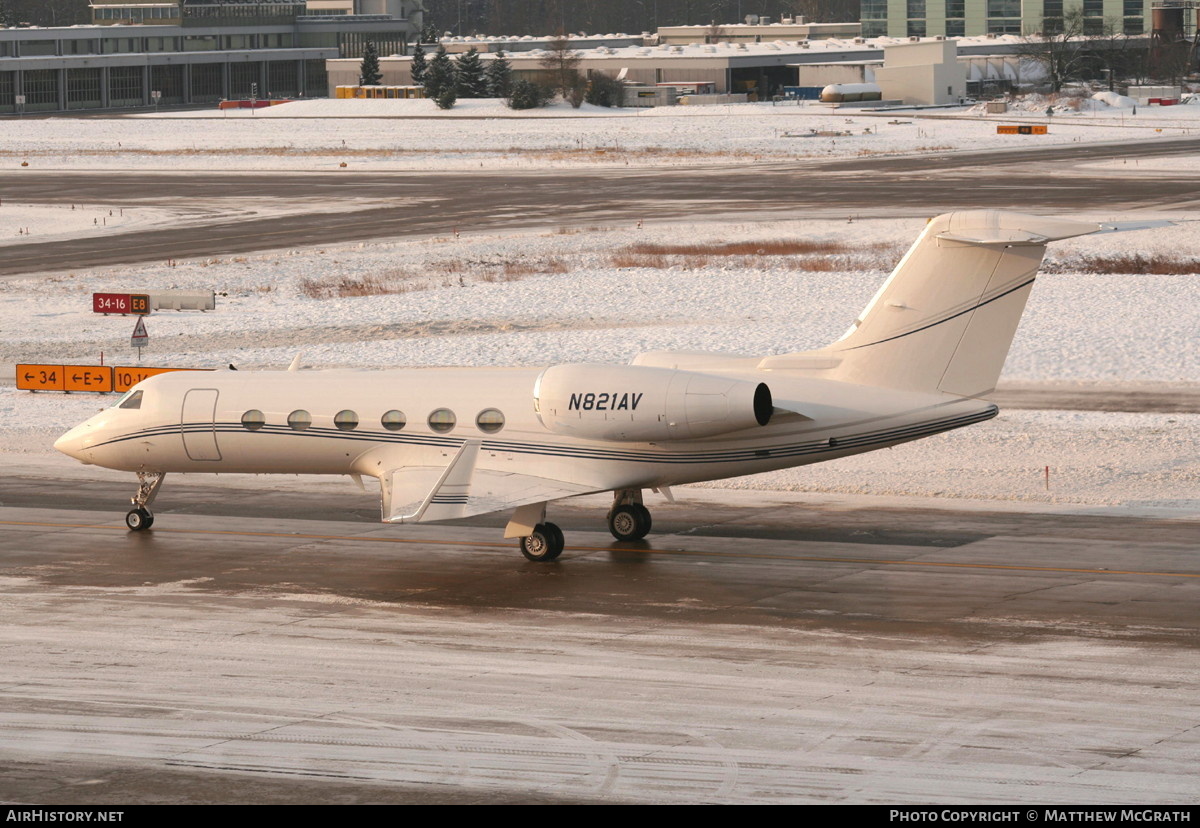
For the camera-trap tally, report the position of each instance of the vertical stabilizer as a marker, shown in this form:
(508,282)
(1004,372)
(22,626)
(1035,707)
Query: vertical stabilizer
(945,318)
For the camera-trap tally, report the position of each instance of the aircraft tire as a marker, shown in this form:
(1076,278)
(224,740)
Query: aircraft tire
(139,519)
(560,541)
(630,522)
(644,521)
(545,544)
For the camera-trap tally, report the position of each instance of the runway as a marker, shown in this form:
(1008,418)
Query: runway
(284,646)
(323,208)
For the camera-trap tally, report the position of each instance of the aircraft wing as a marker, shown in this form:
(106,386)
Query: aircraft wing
(419,494)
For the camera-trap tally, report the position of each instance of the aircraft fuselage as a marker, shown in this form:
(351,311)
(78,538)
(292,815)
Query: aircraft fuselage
(348,422)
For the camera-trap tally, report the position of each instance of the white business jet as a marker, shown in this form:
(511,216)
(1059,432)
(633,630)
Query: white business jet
(452,443)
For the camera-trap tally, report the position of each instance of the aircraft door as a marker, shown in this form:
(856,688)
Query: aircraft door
(198,424)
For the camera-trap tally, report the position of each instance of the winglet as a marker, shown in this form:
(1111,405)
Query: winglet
(451,487)
(295,366)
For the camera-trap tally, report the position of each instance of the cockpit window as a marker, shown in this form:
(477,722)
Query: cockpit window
(132,399)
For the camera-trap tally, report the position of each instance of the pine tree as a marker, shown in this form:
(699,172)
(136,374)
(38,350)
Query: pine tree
(419,64)
(368,73)
(499,76)
(469,72)
(447,97)
(440,74)
(527,95)
(430,34)
(604,90)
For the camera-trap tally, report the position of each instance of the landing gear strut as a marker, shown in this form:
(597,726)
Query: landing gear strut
(140,518)
(629,520)
(545,544)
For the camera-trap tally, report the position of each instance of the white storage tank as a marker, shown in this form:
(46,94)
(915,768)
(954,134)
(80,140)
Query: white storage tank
(850,92)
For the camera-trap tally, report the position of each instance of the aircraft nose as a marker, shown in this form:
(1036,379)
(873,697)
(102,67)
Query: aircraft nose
(75,444)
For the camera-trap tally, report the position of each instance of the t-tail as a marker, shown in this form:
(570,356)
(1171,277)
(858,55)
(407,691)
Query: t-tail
(945,318)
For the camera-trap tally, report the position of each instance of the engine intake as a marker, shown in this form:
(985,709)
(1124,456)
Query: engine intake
(631,403)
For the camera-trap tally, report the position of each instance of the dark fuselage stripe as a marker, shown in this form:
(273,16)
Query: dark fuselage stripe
(823,446)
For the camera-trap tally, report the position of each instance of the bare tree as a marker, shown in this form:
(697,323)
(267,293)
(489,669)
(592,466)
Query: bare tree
(716,33)
(1061,52)
(1115,54)
(561,63)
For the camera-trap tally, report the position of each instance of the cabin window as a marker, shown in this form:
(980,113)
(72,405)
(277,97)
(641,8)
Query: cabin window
(393,420)
(490,420)
(132,399)
(346,420)
(442,420)
(299,419)
(253,420)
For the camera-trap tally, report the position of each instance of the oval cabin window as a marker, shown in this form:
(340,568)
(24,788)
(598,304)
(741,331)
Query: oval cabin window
(442,420)
(299,419)
(490,420)
(253,420)
(393,420)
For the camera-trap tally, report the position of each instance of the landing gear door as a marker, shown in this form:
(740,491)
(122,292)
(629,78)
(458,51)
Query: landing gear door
(198,424)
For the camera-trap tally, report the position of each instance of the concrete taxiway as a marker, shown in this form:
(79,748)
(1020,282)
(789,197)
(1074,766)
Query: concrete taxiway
(282,646)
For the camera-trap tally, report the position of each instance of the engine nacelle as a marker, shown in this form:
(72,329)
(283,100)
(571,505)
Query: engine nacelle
(639,404)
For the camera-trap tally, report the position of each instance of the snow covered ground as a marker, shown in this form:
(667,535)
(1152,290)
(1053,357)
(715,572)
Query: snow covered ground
(321,135)
(566,294)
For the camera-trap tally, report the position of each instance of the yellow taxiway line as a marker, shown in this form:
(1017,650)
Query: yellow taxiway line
(642,550)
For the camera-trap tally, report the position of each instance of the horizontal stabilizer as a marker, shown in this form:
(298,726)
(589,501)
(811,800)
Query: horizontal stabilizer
(1011,237)
(1042,231)
(1127,226)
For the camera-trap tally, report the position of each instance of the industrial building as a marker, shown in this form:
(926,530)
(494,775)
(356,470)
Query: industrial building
(193,51)
(928,71)
(755,30)
(969,18)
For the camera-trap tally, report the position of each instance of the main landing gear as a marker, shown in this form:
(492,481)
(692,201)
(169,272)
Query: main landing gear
(542,541)
(139,517)
(545,544)
(629,520)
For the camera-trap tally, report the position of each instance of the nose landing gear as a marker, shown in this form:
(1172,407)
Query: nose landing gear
(140,518)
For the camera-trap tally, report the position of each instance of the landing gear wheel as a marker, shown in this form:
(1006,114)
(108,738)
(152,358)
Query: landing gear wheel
(139,519)
(544,545)
(629,522)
